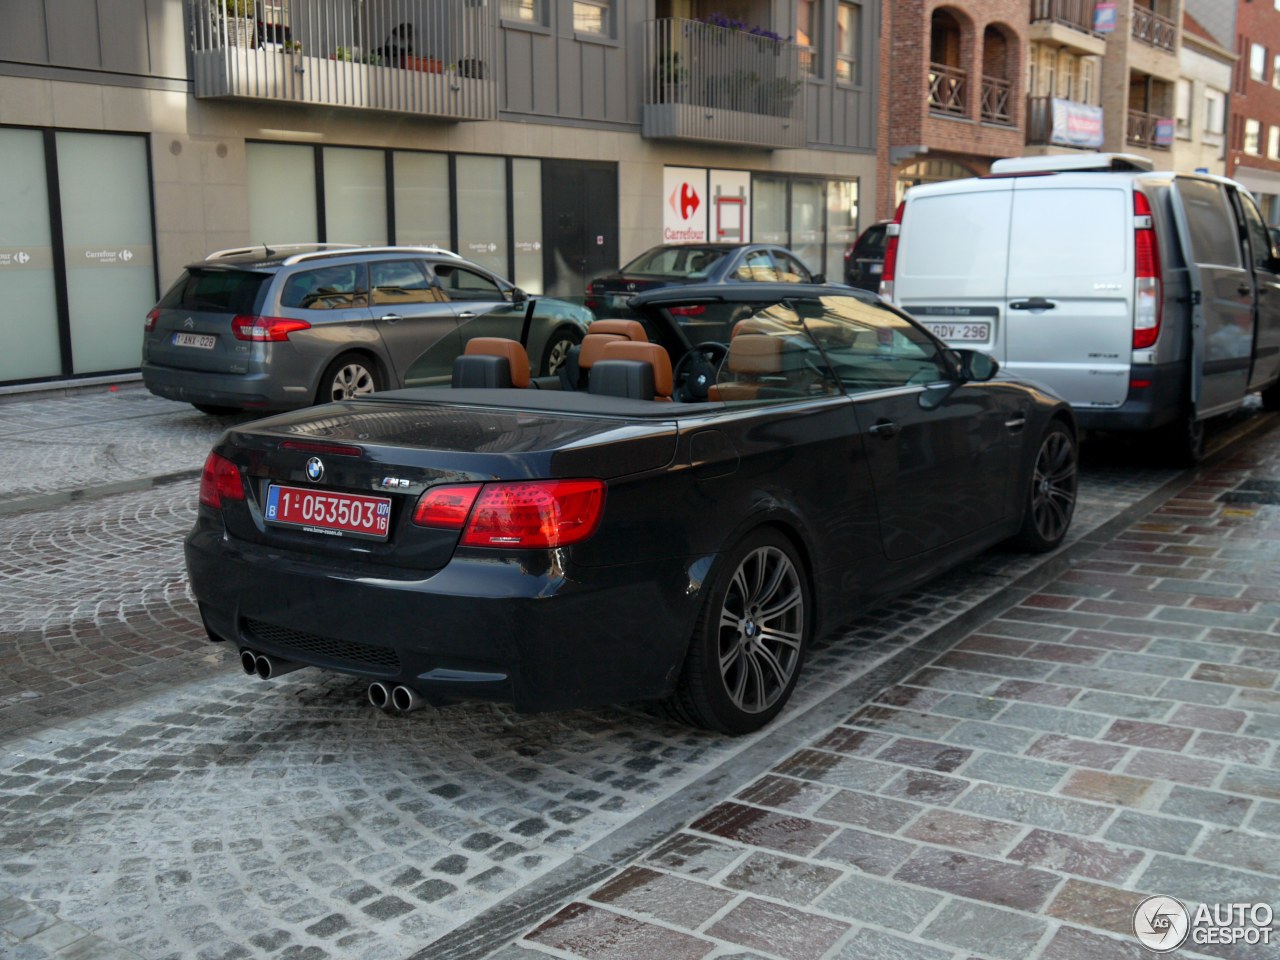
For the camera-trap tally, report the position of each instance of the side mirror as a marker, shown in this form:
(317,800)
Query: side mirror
(518,295)
(977,366)
(818,278)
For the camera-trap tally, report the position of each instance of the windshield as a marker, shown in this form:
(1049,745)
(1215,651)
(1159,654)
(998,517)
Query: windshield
(680,262)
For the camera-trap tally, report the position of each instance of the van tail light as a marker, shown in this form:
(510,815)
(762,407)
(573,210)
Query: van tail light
(266,329)
(219,481)
(891,252)
(530,514)
(152,317)
(1147,295)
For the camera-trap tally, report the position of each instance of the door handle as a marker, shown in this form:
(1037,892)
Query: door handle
(467,315)
(391,317)
(1035,303)
(884,429)
(1244,290)
(1016,423)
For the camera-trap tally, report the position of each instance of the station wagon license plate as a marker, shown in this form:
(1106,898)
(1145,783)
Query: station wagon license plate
(200,340)
(959,332)
(329,512)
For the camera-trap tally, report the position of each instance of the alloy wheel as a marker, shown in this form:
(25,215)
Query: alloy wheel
(352,380)
(1053,489)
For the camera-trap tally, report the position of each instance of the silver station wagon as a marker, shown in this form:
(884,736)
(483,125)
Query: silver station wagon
(274,328)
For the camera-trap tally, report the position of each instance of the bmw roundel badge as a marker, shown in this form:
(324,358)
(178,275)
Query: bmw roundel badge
(315,470)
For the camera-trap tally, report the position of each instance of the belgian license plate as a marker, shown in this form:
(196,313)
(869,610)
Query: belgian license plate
(329,512)
(200,340)
(961,332)
(617,301)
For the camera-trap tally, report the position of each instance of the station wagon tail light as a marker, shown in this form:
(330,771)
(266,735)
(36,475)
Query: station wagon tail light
(266,329)
(533,514)
(219,481)
(1146,285)
(891,252)
(152,317)
(696,310)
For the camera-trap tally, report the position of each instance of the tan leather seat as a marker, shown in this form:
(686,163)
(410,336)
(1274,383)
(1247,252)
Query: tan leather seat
(752,357)
(640,371)
(492,362)
(599,334)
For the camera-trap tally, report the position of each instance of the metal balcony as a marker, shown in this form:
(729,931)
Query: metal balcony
(1149,130)
(1153,29)
(721,85)
(427,57)
(1077,14)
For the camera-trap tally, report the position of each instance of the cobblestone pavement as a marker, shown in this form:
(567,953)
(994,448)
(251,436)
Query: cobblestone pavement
(998,765)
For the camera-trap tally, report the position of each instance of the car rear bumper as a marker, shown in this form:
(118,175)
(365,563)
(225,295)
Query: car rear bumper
(219,389)
(502,628)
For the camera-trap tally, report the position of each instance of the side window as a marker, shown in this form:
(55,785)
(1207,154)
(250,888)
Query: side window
(873,348)
(772,358)
(1259,235)
(401,281)
(757,266)
(328,288)
(790,270)
(1214,238)
(461,283)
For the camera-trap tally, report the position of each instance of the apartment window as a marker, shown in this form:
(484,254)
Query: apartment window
(1257,62)
(1215,111)
(1275,71)
(848,37)
(807,19)
(1273,143)
(525,11)
(1183,109)
(1252,137)
(591,16)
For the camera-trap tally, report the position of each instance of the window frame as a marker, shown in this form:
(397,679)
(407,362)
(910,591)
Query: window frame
(850,37)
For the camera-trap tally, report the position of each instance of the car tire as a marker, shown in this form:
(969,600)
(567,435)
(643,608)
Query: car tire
(1050,498)
(350,375)
(556,352)
(214,410)
(744,659)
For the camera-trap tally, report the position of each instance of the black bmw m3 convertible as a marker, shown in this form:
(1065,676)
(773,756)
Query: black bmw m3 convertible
(704,487)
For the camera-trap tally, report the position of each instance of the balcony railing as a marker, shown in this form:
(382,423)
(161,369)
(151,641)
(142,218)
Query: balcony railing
(721,85)
(1077,14)
(427,57)
(996,101)
(1153,29)
(947,90)
(1149,130)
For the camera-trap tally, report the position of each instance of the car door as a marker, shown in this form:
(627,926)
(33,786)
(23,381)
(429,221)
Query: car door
(415,321)
(475,296)
(940,452)
(1266,285)
(1222,294)
(756,267)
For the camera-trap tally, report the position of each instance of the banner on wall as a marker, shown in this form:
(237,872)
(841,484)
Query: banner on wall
(684,208)
(1076,124)
(730,206)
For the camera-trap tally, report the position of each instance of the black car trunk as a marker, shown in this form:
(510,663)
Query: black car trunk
(378,457)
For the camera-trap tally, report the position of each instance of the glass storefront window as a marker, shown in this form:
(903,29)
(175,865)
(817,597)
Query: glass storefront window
(108,246)
(842,224)
(806,222)
(422,199)
(526,209)
(29,346)
(355,195)
(282,193)
(769,210)
(482,211)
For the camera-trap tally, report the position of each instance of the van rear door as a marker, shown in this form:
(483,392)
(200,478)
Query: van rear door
(952,259)
(1069,319)
(1222,323)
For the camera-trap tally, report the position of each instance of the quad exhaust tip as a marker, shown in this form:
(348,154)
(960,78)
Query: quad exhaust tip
(400,698)
(265,666)
(379,695)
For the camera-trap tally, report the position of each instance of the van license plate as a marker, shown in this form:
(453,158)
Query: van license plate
(959,332)
(200,340)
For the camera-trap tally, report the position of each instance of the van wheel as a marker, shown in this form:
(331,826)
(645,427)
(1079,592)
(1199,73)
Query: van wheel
(351,375)
(1184,440)
(749,642)
(1051,497)
(1271,397)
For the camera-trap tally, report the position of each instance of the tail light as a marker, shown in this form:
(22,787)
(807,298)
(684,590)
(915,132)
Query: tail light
(152,317)
(219,481)
(1147,295)
(696,310)
(527,514)
(266,329)
(891,252)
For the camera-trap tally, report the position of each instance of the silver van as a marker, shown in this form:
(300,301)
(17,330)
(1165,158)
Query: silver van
(1147,300)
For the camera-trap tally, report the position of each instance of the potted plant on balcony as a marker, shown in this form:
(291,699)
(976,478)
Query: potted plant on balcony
(238,16)
(672,78)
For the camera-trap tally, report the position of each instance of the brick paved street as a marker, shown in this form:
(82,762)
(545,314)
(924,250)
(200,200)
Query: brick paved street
(1001,765)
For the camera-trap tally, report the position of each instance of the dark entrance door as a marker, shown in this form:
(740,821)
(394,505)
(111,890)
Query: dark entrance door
(579,224)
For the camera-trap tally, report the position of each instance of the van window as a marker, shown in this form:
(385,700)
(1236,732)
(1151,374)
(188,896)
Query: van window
(936,226)
(1069,233)
(1210,222)
(1259,235)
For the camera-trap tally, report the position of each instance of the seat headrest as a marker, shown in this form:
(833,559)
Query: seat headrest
(650,353)
(593,345)
(631,329)
(517,357)
(755,353)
